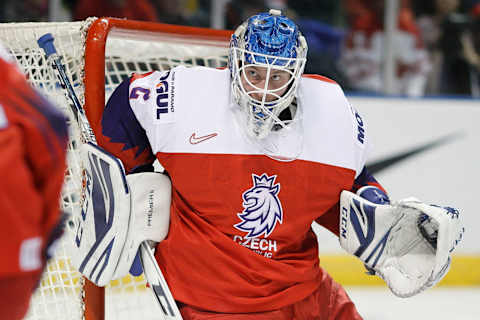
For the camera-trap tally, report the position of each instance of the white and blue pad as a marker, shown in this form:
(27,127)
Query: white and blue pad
(100,227)
(119,213)
(407,243)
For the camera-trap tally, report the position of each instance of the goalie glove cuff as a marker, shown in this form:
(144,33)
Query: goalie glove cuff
(378,196)
(373,194)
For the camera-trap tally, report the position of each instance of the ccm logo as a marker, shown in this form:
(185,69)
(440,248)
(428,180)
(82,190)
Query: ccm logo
(343,223)
(162,96)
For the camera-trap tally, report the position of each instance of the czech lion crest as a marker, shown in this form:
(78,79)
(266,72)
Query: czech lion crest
(262,207)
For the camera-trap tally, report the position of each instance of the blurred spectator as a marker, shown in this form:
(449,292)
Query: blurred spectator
(471,50)
(324,48)
(319,21)
(130,9)
(183,12)
(195,12)
(170,12)
(467,5)
(449,35)
(363,55)
(325,11)
(430,22)
(277,4)
(23,11)
(456,46)
(239,10)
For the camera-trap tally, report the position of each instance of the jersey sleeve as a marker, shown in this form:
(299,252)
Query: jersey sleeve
(122,134)
(33,139)
(15,294)
(331,219)
(361,148)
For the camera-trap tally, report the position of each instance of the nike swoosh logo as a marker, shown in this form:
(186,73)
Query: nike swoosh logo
(390,161)
(194,139)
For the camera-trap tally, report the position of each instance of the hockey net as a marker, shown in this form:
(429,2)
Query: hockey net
(98,54)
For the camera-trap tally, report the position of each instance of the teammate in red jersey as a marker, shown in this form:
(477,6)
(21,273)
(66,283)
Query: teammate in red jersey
(256,153)
(33,138)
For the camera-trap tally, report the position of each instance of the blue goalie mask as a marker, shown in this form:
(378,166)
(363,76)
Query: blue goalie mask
(267,58)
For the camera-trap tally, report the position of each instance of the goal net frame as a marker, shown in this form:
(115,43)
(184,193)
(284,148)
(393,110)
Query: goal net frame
(90,59)
(96,42)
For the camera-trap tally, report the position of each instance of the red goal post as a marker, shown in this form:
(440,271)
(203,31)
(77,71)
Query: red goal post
(98,54)
(102,28)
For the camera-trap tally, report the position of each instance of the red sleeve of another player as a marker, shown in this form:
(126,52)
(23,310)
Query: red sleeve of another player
(15,293)
(331,219)
(33,141)
(20,203)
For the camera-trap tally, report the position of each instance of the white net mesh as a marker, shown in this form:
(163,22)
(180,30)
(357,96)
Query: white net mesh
(155,52)
(127,51)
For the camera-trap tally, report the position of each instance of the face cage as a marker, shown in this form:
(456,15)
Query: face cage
(263,115)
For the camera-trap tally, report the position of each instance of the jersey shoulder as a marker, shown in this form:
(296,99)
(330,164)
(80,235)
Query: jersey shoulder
(322,92)
(161,97)
(319,78)
(193,75)
(320,87)
(164,102)
(329,114)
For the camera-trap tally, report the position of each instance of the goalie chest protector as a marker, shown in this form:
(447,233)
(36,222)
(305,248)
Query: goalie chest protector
(240,236)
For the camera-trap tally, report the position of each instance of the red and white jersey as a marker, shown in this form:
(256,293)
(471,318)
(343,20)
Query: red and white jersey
(33,139)
(240,237)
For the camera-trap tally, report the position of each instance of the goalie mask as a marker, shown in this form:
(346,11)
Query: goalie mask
(267,58)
